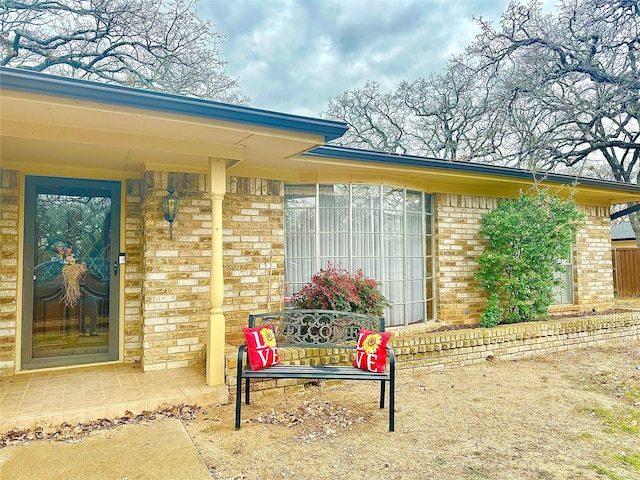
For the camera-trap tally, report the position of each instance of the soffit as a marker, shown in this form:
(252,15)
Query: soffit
(312,169)
(37,130)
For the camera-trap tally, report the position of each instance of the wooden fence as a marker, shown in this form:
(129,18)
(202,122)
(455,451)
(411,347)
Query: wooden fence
(626,272)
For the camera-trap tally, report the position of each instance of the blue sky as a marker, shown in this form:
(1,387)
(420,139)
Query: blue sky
(293,55)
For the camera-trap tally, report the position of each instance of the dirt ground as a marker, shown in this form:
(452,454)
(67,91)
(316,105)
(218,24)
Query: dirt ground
(571,415)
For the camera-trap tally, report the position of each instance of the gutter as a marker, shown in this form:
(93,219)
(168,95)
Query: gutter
(354,154)
(78,89)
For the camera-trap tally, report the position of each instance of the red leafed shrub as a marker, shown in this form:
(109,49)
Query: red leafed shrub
(335,288)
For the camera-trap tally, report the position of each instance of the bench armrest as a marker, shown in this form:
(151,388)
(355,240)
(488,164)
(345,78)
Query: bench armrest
(241,350)
(392,357)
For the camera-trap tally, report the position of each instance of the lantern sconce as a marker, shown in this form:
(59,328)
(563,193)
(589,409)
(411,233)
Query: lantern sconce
(170,208)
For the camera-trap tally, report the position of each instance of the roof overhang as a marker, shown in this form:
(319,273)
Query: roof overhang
(332,163)
(105,128)
(65,124)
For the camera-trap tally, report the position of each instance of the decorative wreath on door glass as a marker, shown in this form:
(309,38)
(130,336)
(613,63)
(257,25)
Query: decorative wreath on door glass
(72,275)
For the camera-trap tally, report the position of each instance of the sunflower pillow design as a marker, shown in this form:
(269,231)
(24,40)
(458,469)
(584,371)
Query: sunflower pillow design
(371,353)
(261,347)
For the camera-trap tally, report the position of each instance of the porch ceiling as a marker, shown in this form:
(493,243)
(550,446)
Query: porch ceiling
(38,131)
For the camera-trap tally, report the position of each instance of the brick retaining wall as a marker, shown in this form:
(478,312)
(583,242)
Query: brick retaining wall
(435,351)
(418,350)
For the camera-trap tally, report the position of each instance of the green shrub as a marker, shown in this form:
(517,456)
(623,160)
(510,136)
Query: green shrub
(526,239)
(336,289)
(493,314)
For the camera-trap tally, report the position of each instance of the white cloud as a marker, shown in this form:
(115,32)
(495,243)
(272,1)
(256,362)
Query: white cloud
(292,55)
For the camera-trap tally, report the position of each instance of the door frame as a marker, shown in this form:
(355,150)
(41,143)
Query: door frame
(114,188)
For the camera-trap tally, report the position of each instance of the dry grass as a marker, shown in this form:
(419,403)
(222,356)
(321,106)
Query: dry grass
(633,302)
(569,415)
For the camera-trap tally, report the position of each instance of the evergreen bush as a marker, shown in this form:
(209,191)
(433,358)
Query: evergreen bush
(526,238)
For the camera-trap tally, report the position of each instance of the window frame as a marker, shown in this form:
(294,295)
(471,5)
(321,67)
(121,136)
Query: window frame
(314,210)
(564,294)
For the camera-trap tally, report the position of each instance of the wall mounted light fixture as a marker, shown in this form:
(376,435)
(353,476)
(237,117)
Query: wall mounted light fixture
(170,205)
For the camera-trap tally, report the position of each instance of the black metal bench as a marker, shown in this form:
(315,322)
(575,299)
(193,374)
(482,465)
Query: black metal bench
(316,329)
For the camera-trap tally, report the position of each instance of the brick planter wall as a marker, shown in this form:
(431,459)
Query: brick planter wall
(435,351)
(417,350)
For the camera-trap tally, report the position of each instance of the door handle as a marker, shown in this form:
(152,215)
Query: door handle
(115,268)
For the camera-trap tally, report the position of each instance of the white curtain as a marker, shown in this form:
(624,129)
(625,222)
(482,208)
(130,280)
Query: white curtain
(386,232)
(563,293)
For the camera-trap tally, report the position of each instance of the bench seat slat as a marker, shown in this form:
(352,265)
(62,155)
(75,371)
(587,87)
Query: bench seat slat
(315,372)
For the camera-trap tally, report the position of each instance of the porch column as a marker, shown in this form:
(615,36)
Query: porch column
(216,327)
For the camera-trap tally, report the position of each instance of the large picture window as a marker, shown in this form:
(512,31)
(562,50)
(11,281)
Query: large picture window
(387,232)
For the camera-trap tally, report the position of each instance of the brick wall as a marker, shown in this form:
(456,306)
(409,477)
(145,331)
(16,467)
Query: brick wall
(175,287)
(253,251)
(461,300)
(9,197)
(133,272)
(166,292)
(593,269)
(166,283)
(457,222)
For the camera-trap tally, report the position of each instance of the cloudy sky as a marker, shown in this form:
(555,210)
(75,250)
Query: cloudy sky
(293,55)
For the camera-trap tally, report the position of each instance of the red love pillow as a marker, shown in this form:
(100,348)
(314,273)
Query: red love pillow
(371,353)
(261,347)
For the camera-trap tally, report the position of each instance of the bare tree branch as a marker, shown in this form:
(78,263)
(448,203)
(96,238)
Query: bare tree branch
(543,92)
(157,45)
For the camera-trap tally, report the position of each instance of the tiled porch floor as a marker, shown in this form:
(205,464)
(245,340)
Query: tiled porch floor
(107,391)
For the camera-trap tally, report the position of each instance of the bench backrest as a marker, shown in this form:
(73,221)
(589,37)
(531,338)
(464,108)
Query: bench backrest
(316,327)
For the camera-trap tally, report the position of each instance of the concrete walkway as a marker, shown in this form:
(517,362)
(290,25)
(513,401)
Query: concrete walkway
(84,394)
(153,451)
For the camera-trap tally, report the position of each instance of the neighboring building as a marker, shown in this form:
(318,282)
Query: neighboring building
(626,260)
(623,236)
(264,204)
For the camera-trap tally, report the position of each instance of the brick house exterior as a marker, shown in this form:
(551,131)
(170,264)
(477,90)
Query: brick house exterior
(460,299)
(184,299)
